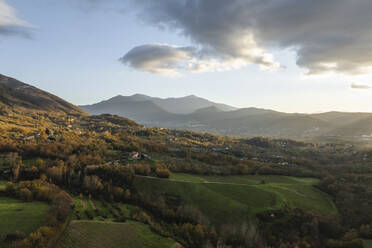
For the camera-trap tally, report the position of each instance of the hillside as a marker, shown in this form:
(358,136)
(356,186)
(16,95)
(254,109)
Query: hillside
(361,128)
(196,114)
(272,124)
(90,234)
(237,198)
(15,95)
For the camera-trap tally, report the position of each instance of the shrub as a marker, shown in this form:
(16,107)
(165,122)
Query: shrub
(10,188)
(17,235)
(121,219)
(89,214)
(26,195)
(162,173)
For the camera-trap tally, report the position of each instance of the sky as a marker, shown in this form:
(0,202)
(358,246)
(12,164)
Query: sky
(292,56)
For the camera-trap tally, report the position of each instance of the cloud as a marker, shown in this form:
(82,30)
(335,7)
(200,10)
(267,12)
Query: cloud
(171,60)
(158,58)
(10,24)
(360,86)
(327,35)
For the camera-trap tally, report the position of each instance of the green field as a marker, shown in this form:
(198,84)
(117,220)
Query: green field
(16,215)
(81,234)
(2,185)
(367,243)
(237,198)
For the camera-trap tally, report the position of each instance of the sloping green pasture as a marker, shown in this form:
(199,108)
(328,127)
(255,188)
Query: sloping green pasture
(16,215)
(233,199)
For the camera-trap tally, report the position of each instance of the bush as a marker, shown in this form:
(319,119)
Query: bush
(62,205)
(121,219)
(366,231)
(355,243)
(162,173)
(77,214)
(26,195)
(89,214)
(100,212)
(10,189)
(17,235)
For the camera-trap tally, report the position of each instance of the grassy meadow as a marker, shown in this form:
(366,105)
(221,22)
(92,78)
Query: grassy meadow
(234,199)
(92,234)
(2,185)
(16,215)
(368,243)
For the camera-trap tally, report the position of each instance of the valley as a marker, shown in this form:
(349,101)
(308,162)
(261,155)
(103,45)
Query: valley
(185,124)
(105,179)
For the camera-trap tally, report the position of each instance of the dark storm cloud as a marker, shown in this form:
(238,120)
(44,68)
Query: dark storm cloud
(327,35)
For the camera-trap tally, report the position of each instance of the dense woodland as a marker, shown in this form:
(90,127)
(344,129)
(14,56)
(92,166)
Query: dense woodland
(50,158)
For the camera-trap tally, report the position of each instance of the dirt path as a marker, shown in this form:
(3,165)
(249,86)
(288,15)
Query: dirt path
(205,182)
(98,221)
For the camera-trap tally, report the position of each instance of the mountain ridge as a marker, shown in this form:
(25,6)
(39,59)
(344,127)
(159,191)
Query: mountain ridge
(15,94)
(234,122)
(146,110)
(175,105)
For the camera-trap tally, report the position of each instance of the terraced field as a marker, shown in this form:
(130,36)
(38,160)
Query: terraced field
(236,198)
(16,215)
(93,209)
(92,234)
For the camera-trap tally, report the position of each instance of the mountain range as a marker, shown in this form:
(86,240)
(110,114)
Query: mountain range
(194,113)
(198,114)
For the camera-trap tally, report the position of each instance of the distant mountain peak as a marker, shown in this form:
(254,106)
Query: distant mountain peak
(117,97)
(139,95)
(176,105)
(210,109)
(191,96)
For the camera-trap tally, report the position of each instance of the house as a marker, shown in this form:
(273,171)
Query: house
(283,163)
(134,156)
(28,138)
